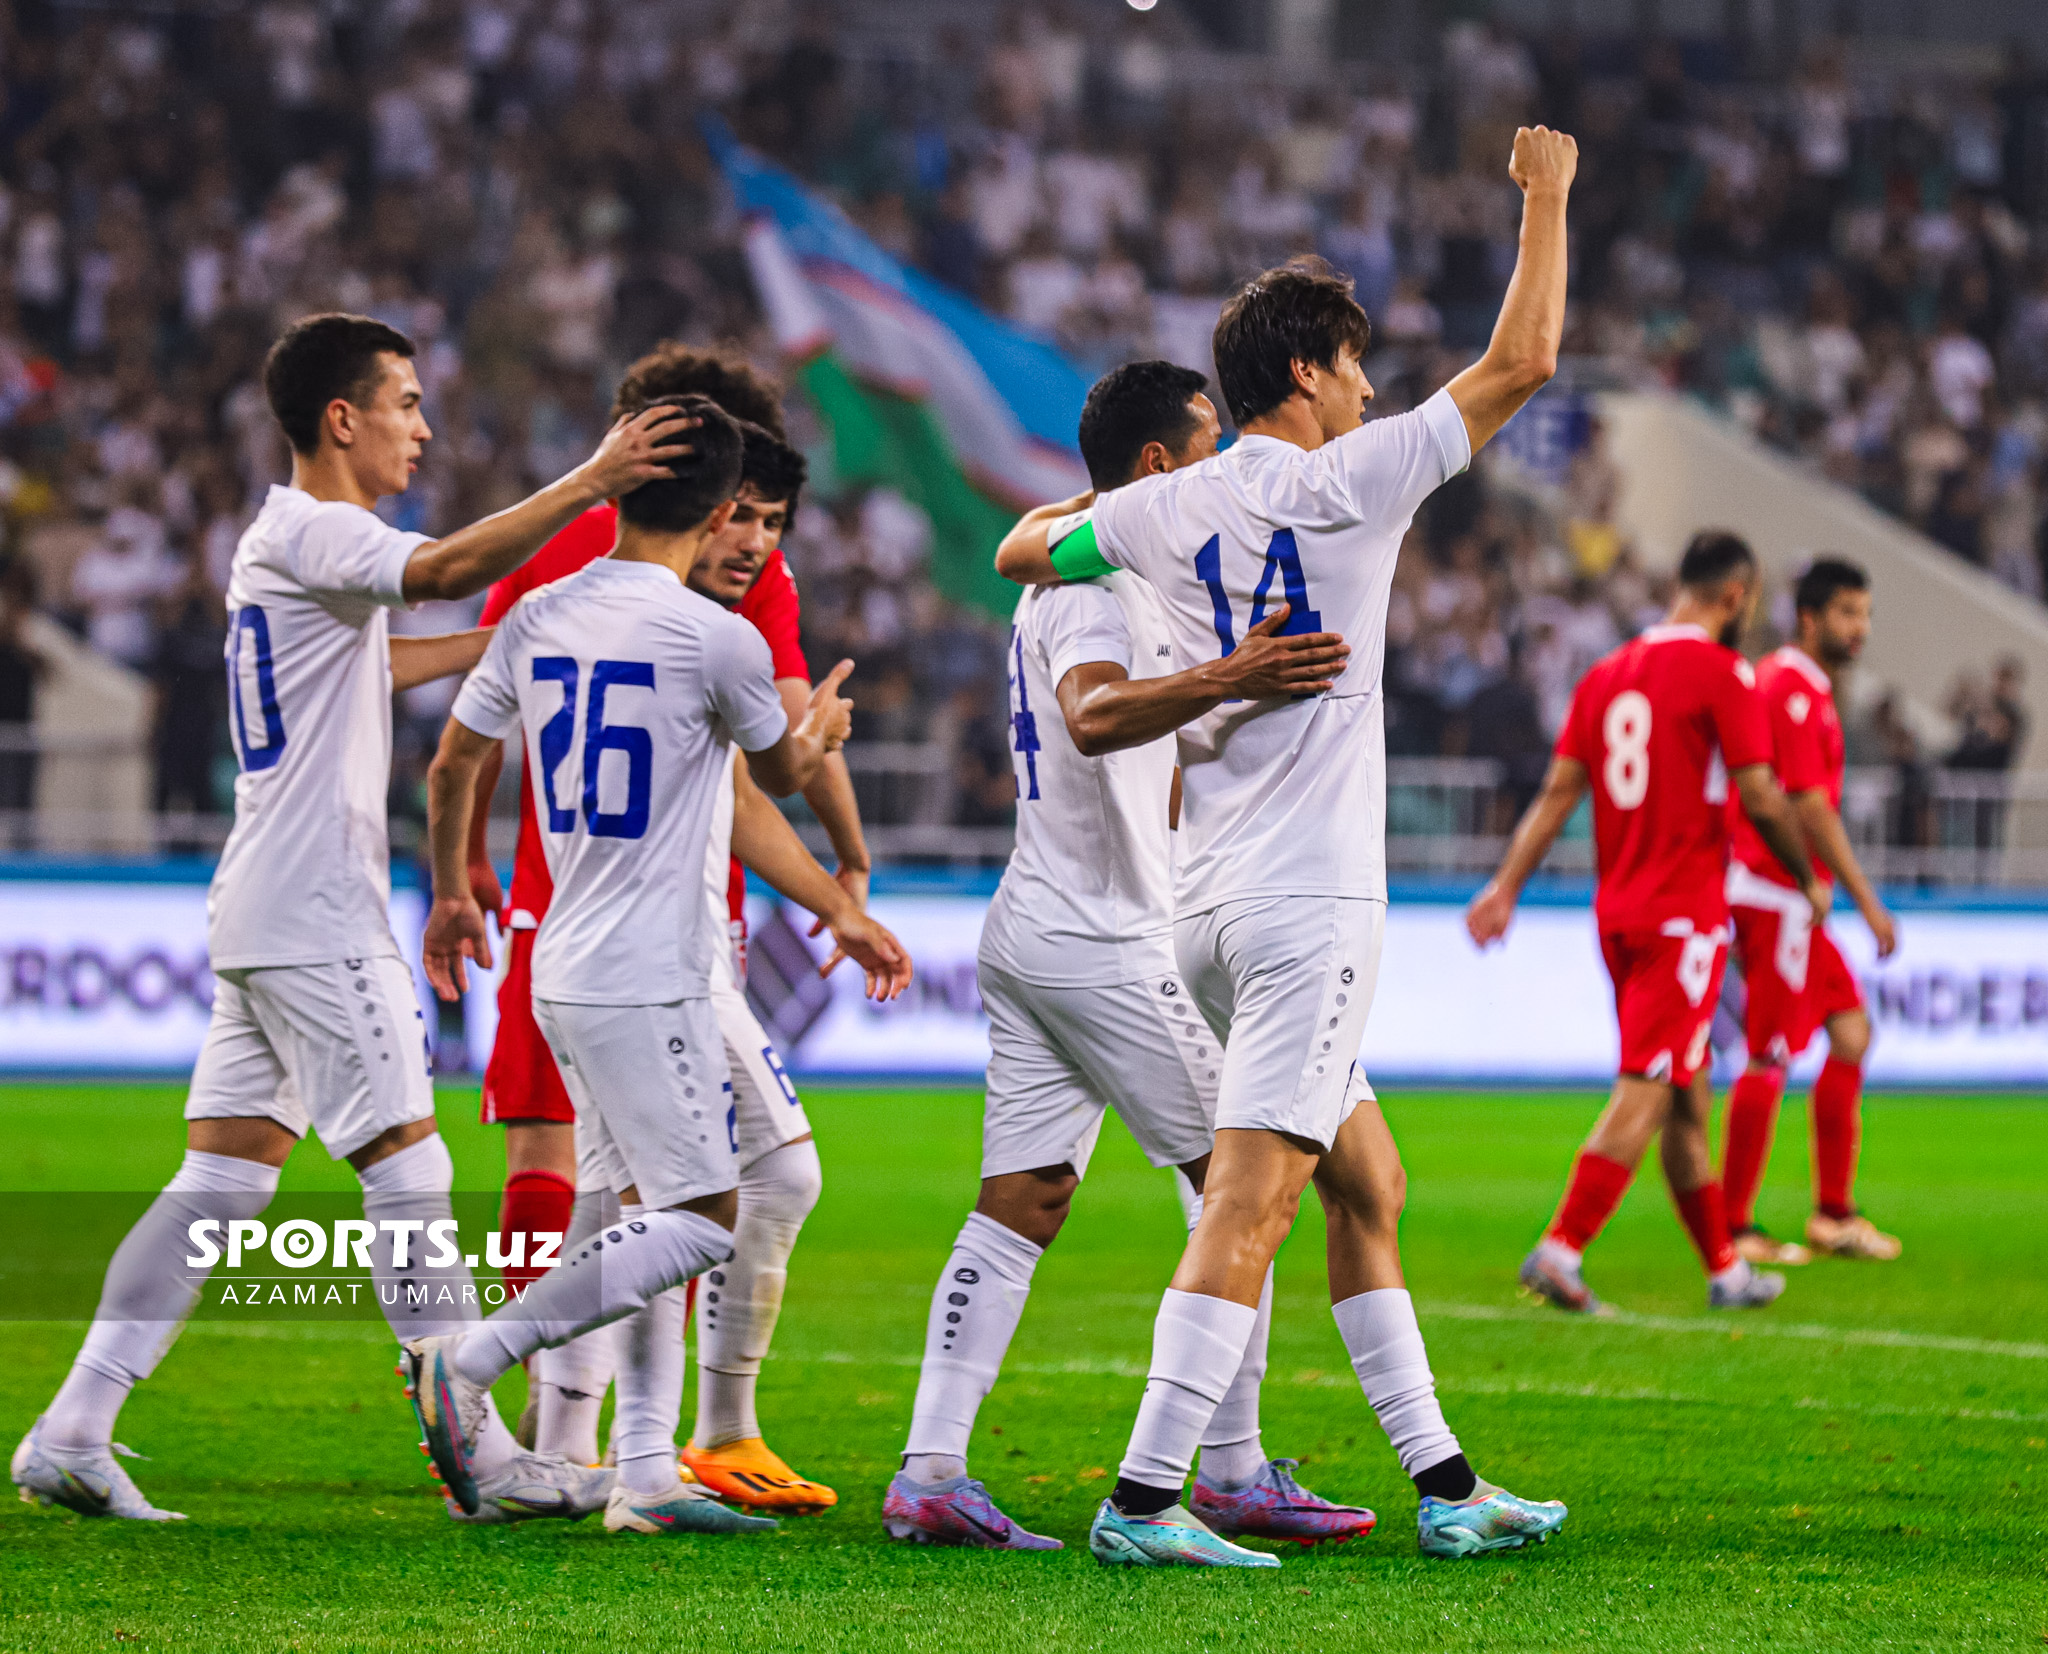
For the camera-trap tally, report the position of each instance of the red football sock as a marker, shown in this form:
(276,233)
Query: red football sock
(536,1202)
(1752,1118)
(1837,1133)
(1590,1198)
(1705,1211)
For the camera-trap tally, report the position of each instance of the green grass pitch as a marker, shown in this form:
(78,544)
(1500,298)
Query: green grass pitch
(1862,1466)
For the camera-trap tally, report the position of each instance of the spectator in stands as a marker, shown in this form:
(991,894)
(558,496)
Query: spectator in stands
(20,667)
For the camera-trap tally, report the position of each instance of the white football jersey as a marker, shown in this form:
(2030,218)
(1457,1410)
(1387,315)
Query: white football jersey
(305,877)
(1087,899)
(632,689)
(1285,797)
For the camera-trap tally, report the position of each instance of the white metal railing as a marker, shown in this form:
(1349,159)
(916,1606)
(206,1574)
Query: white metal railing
(1910,825)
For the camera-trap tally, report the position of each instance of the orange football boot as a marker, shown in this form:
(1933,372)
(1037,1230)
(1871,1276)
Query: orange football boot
(748,1474)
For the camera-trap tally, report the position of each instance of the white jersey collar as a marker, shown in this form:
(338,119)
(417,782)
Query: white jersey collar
(1810,669)
(1665,631)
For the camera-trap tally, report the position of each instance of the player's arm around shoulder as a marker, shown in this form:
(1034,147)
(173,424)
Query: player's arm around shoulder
(1521,358)
(1031,553)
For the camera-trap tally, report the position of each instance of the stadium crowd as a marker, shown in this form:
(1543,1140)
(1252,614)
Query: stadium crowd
(1841,260)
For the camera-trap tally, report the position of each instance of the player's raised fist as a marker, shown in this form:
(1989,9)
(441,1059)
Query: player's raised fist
(639,449)
(1543,159)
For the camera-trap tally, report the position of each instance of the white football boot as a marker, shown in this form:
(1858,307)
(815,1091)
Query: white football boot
(680,1510)
(535,1485)
(84,1479)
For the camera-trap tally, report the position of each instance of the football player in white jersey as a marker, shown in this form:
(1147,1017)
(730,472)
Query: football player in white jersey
(631,690)
(1280,900)
(315,1023)
(1087,1009)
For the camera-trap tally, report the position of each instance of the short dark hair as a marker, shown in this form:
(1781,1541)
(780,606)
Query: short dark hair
(769,466)
(697,484)
(1130,406)
(320,358)
(1713,556)
(1824,577)
(727,378)
(1301,312)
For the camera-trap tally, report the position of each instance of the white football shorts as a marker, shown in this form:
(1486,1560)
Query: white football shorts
(1059,1056)
(340,1049)
(1286,982)
(766,1110)
(653,1096)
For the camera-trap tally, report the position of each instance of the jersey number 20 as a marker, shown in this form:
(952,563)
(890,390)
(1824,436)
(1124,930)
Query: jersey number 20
(559,732)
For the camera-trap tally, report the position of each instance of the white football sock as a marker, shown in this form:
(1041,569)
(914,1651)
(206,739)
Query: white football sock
(739,1300)
(420,1300)
(413,1186)
(975,1310)
(1386,1352)
(617,1271)
(1198,1344)
(650,1402)
(1233,1452)
(571,1378)
(150,1289)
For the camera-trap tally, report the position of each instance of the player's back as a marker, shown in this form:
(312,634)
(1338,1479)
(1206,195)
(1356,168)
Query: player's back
(305,875)
(1658,724)
(630,689)
(1808,749)
(1087,898)
(1285,797)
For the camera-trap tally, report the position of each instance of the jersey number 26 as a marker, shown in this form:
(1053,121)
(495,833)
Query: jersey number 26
(559,732)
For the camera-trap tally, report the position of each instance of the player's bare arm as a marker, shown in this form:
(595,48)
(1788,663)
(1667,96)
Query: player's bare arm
(1770,812)
(483,877)
(794,761)
(1107,710)
(767,845)
(455,924)
(634,451)
(830,796)
(1024,555)
(1521,358)
(1829,840)
(418,660)
(1564,784)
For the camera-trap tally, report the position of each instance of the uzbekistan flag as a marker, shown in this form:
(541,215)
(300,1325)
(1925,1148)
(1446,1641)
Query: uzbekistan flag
(923,391)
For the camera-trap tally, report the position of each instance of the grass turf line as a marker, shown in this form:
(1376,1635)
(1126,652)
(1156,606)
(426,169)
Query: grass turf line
(1731,1486)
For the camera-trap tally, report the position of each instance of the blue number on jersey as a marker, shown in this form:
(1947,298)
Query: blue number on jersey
(1023,725)
(781,1074)
(1283,557)
(256,624)
(556,735)
(633,741)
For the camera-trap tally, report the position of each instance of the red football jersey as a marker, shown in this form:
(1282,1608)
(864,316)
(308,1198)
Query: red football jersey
(1807,748)
(1659,724)
(771,604)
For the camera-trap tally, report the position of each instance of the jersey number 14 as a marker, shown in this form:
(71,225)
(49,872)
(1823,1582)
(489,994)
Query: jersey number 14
(559,733)
(1283,557)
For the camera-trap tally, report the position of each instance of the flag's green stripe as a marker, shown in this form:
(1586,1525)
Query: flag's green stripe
(883,439)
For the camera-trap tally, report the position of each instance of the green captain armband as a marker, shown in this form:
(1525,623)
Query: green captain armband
(1075,555)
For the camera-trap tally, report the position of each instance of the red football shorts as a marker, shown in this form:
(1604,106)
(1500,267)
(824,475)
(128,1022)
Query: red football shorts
(1796,977)
(1667,982)
(521,1081)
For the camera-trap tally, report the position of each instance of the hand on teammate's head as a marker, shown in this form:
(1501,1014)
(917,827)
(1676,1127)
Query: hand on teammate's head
(641,448)
(1543,157)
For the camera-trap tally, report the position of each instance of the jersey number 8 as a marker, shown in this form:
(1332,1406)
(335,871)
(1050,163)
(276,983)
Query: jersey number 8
(559,732)
(1626,729)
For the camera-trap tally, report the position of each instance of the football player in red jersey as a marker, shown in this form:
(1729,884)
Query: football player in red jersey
(522,1089)
(1797,979)
(1659,730)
